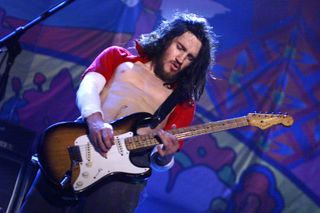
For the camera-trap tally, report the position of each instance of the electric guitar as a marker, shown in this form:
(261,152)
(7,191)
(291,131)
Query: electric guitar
(68,158)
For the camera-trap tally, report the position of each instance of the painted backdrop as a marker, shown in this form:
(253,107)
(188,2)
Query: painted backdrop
(267,61)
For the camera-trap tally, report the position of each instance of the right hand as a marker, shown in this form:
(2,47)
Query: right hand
(100,133)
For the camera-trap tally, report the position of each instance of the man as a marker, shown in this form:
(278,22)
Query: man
(175,57)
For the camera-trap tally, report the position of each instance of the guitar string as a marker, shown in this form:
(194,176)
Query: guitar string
(140,141)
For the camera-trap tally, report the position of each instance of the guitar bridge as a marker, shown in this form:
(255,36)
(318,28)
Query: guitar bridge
(74,154)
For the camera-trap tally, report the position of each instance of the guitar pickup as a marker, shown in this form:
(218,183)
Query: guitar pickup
(74,154)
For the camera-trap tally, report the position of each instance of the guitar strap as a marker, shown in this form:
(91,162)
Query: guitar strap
(164,109)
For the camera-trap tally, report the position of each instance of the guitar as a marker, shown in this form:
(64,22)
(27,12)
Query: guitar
(67,157)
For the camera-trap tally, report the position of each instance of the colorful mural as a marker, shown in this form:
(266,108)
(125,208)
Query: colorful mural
(267,61)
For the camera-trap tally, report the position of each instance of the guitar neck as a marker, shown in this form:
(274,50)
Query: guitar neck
(146,141)
(202,129)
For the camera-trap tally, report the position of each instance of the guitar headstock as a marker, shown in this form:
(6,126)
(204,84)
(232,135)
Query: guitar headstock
(264,121)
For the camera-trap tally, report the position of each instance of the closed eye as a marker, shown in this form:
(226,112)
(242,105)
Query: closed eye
(190,58)
(183,48)
(180,47)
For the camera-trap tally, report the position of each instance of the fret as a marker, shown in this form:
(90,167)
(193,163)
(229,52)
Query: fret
(146,141)
(262,121)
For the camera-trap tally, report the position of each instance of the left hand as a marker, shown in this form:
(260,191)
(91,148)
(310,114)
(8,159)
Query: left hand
(170,143)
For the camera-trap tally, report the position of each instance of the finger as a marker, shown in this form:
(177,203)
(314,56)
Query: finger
(102,149)
(102,144)
(98,145)
(104,154)
(111,136)
(167,144)
(160,150)
(172,146)
(107,138)
(164,137)
(94,141)
(171,140)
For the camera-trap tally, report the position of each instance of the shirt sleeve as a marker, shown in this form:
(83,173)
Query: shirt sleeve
(107,61)
(87,97)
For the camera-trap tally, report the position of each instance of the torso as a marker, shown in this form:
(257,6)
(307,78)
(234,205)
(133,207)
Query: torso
(134,88)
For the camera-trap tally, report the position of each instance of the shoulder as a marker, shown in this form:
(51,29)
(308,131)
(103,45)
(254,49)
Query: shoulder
(116,51)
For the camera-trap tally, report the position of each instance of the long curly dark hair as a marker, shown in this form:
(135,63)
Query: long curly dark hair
(191,81)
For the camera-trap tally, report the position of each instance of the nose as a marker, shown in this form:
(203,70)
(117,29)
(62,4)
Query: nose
(181,57)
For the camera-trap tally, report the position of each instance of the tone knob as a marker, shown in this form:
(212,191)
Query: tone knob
(85,174)
(79,183)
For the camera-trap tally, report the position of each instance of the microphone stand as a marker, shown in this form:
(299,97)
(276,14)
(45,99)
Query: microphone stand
(11,42)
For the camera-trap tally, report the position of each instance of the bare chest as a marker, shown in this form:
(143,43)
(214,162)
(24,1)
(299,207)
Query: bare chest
(133,89)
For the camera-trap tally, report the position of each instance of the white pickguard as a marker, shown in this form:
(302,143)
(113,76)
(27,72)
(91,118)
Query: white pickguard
(94,167)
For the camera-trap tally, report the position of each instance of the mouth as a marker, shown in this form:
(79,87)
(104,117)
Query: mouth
(175,66)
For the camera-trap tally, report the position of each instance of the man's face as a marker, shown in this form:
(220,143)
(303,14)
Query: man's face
(179,55)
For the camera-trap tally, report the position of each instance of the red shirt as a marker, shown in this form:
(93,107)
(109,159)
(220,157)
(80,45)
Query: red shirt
(107,62)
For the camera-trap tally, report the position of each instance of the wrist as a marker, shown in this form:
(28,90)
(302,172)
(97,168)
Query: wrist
(162,160)
(96,116)
(161,163)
